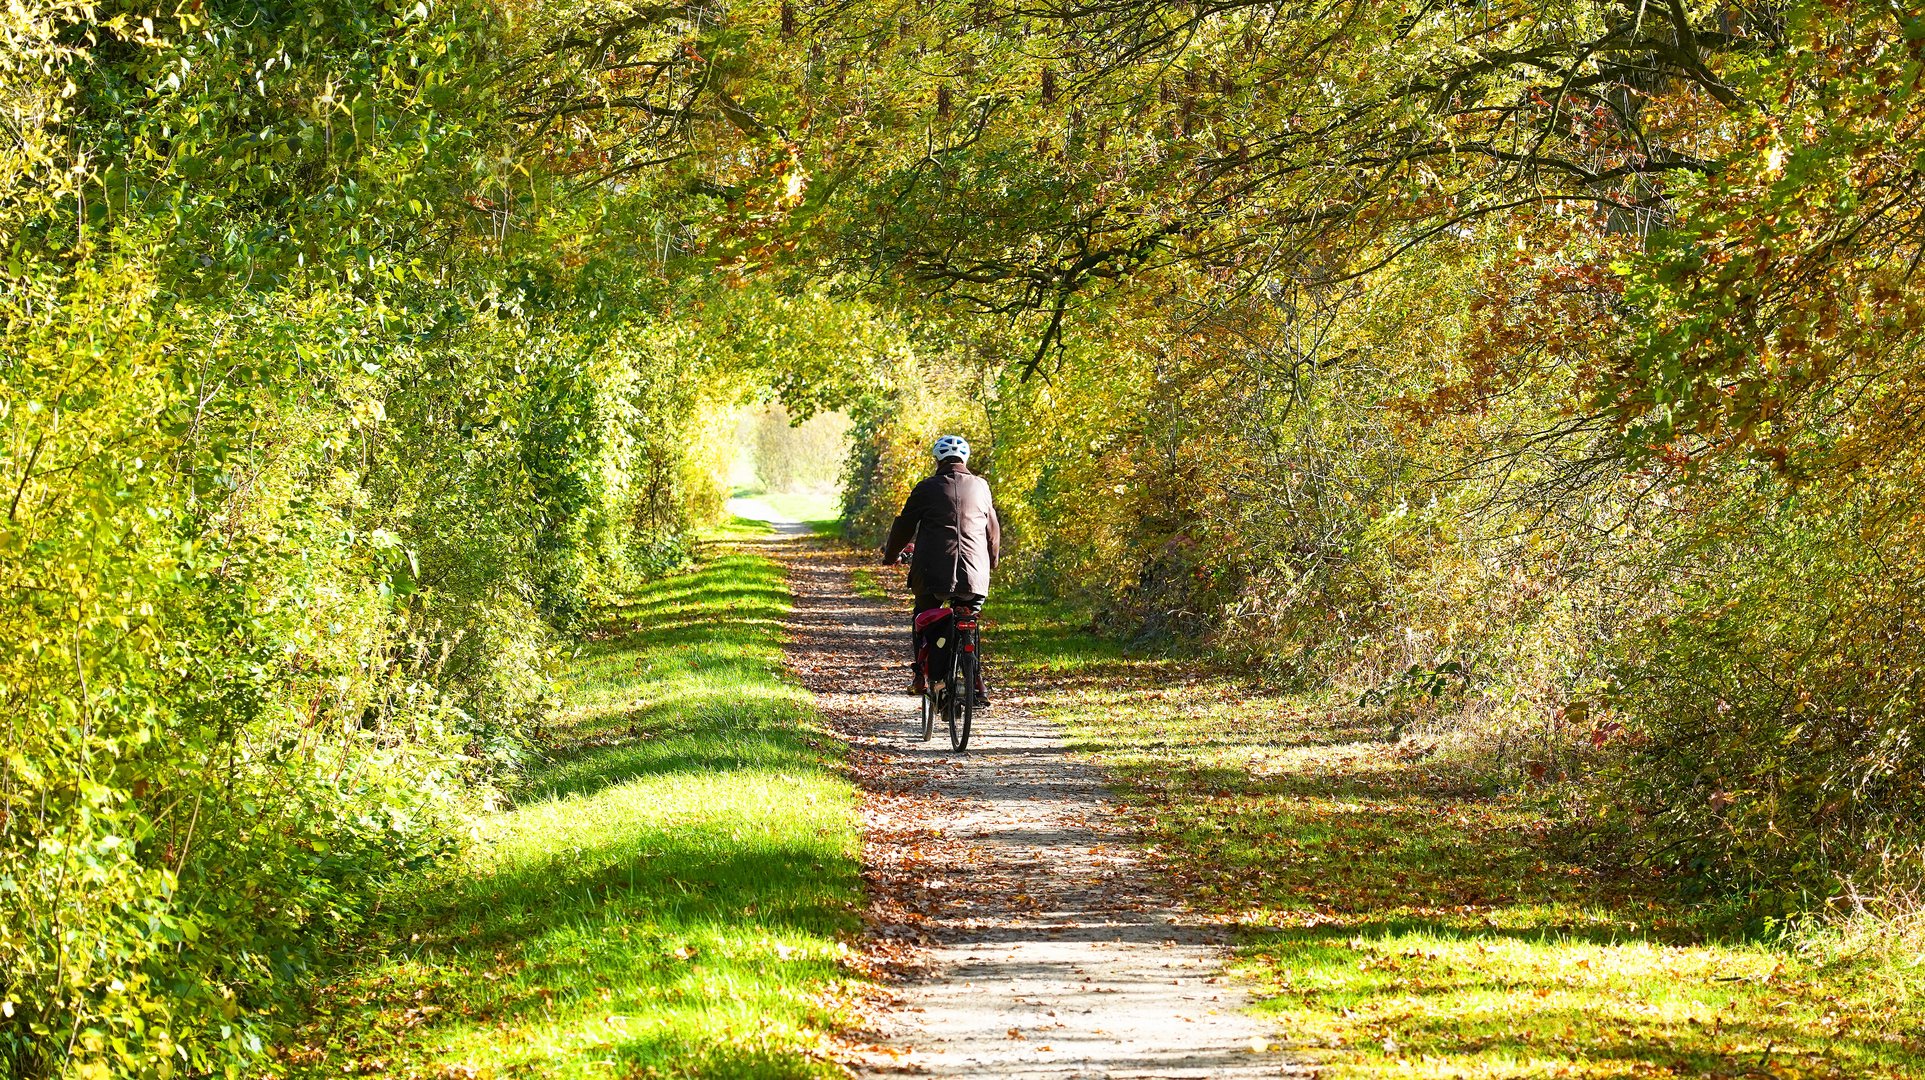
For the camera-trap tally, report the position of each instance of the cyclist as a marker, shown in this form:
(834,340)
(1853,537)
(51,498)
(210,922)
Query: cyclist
(950,522)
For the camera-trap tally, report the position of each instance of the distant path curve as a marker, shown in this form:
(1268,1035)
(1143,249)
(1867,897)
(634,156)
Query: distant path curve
(1039,944)
(755,509)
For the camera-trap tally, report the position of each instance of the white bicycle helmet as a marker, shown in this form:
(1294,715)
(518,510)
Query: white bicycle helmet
(951,446)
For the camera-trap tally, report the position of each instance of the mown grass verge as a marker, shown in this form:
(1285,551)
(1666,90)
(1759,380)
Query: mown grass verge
(664,900)
(1400,923)
(819,511)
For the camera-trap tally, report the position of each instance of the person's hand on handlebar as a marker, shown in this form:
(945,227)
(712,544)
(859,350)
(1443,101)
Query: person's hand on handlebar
(903,556)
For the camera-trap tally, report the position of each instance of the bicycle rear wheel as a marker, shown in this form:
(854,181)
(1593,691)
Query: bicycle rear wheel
(959,708)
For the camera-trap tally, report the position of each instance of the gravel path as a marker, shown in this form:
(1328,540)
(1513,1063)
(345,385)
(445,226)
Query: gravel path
(1030,939)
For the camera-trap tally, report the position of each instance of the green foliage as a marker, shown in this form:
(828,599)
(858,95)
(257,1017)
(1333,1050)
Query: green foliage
(793,455)
(1566,351)
(355,351)
(326,414)
(1784,688)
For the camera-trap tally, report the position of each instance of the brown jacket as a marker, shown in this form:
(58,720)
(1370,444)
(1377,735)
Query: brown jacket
(958,539)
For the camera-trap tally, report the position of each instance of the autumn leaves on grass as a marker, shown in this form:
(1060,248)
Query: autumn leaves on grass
(1401,923)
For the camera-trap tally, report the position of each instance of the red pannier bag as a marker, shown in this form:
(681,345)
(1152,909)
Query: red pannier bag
(936,643)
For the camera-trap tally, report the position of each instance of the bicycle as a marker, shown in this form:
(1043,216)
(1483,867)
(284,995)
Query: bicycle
(952,662)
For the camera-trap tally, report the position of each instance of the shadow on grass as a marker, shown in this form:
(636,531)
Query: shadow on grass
(681,948)
(1403,920)
(666,897)
(693,878)
(764,597)
(712,730)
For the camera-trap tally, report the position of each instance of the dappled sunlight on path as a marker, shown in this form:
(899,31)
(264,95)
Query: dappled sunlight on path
(1030,938)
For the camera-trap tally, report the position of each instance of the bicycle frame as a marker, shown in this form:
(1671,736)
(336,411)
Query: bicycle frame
(954,696)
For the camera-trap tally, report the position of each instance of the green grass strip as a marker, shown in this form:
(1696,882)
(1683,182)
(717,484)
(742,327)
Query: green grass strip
(1400,923)
(667,896)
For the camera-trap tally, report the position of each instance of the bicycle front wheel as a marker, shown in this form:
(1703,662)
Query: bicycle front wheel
(928,715)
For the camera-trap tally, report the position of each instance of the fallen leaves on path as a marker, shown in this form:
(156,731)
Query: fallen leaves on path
(1016,844)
